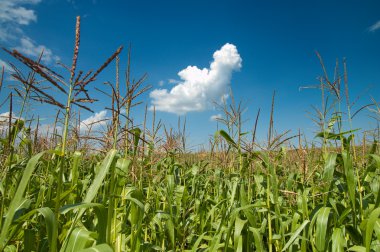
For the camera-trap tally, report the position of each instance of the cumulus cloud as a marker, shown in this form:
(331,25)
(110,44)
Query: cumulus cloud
(13,12)
(14,16)
(215,117)
(374,27)
(94,122)
(199,87)
(28,47)
(4,117)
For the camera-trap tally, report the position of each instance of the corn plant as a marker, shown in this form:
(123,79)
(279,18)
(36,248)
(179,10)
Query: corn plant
(143,191)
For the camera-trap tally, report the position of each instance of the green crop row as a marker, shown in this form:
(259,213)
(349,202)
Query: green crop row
(136,193)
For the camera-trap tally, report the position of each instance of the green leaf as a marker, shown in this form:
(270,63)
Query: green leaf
(136,137)
(321,228)
(10,248)
(354,234)
(123,166)
(98,181)
(257,238)
(334,136)
(18,197)
(29,240)
(244,202)
(239,226)
(227,137)
(74,173)
(329,169)
(170,229)
(197,242)
(98,248)
(51,226)
(373,217)
(79,238)
(295,235)
(215,242)
(101,214)
(92,191)
(350,180)
(357,249)
(338,241)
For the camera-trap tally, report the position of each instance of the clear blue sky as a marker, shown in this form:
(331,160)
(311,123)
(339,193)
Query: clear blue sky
(276,41)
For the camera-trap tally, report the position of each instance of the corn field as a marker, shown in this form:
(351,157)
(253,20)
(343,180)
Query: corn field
(140,190)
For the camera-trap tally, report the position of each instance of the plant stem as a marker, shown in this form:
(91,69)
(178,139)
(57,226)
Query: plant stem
(61,164)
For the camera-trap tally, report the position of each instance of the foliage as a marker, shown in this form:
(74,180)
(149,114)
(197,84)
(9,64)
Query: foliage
(135,196)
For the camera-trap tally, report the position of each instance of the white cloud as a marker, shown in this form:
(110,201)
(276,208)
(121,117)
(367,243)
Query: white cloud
(215,117)
(199,87)
(48,129)
(12,12)
(161,83)
(14,15)
(4,117)
(94,122)
(374,27)
(6,66)
(173,81)
(24,1)
(4,120)
(29,48)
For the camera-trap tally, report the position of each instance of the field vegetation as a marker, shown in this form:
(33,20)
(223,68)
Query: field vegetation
(136,187)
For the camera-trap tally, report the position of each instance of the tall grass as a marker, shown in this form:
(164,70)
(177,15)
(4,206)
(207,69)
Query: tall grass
(144,192)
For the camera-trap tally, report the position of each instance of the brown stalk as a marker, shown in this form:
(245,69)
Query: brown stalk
(277,141)
(360,109)
(116,96)
(40,99)
(89,137)
(78,77)
(326,78)
(143,90)
(84,78)
(103,92)
(40,65)
(10,118)
(36,67)
(136,104)
(144,128)
(2,78)
(85,100)
(81,89)
(76,49)
(36,132)
(336,75)
(64,66)
(15,70)
(83,106)
(27,82)
(346,84)
(55,128)
(19,93)
(105,64)
(128,72)
(255,127)
(270,133)
(49,97)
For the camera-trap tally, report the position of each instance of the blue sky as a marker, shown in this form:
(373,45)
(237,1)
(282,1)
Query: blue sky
(275,40)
